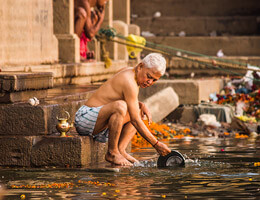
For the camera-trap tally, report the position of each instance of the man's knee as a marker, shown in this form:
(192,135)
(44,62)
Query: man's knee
(121,107)
(80,13)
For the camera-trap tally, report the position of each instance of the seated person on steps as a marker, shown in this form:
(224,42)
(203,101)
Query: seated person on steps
(114,111)
(88,21)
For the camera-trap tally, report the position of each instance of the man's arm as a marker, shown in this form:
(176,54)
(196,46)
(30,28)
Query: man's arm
(92,26)
(131,97)
(145,112)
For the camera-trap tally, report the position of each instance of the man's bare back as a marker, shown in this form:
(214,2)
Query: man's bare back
(113,89)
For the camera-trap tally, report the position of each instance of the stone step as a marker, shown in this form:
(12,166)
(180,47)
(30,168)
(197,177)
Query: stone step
(199,26)
(19,81)
(41,151)
(195,7)
(75,73)
(179,66)
(231,46)
(19,86)
(22,119)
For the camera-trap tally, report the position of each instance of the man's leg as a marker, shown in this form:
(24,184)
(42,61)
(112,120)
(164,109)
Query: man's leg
(113,116)
(126,136)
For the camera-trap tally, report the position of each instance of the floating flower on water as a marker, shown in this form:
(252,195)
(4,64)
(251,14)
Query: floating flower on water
(117,191)
(22,196)
(250,179)
(237,135)
(257,164)
(104,194)
(222,150)
(226,133)
(163,196)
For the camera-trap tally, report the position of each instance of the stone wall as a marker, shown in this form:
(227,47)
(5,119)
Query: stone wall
(26,35)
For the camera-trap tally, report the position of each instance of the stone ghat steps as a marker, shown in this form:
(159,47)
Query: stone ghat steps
(179,66)
(28,136)
(199,25)
(22,119)
(231,46)
(195,7)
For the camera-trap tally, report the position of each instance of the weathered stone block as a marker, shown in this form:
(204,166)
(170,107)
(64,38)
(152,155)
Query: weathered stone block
(19,81)
(162,103)
(189,91)
(23,119)
(67,151)
(15,151)
(41,151)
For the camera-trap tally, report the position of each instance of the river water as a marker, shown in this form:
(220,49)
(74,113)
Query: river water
(216,168)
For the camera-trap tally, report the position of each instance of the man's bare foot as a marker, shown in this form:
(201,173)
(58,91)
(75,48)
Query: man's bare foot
(117,159)
(128,157)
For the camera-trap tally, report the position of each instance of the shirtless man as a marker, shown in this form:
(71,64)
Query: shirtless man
(114,110)
(87,22)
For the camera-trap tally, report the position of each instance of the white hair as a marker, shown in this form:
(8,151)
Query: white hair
(155,60)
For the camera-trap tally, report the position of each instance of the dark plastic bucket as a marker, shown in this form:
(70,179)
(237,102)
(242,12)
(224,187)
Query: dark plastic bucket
(173,159)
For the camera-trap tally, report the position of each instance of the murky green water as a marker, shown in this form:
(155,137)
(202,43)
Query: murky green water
(215,169)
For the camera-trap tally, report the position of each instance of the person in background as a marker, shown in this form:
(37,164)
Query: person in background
(89,15)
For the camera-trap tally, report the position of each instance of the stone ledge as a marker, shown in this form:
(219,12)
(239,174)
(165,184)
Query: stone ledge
(20,81)
(40,151)
(189,91)
(74,73)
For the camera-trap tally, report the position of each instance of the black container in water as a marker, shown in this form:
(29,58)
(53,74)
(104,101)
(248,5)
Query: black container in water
(173,159)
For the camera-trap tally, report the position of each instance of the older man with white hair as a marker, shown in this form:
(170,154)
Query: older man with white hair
(114,111)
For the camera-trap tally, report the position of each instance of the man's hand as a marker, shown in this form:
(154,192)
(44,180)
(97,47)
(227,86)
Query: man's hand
(145,112)
(162,149)
(101,14)
(94,17)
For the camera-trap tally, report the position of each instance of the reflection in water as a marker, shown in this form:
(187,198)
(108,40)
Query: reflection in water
(215,169)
